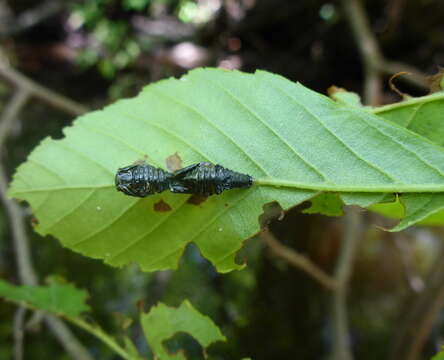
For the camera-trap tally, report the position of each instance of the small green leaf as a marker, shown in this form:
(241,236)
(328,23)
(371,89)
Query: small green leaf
(439,356)
(58,297)
(422,115)
(415,206)
(326,204)
(163,322)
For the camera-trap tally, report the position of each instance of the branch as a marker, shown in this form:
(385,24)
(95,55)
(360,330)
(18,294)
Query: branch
(415,77)
(25,267)
(32,17)
(412,279)
(26,270)
(27,274)
(421,316)
(19,322)
(368,47)
(10,112)
(343,272)
(297,260)
(372,57)
(40,92)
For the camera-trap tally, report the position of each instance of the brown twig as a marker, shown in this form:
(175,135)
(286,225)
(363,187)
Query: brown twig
(26,270)
(40,92)
(343,271)
(28,276)
(368,47)
(10,112)
(421,315)
(413,280)
(19,323)
(297,260)
(415,77)
(375,65)
(32,17)
(20,240)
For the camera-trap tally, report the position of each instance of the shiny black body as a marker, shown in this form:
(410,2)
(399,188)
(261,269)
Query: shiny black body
(202,179)
(207,179)
(141,180)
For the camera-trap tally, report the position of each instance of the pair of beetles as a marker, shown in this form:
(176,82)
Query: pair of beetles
(203,178)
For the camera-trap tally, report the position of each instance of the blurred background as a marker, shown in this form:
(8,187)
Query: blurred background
(94,52)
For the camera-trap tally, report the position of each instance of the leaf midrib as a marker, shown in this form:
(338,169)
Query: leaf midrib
(276,182)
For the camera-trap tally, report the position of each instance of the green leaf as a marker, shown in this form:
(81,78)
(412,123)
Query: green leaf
(439,356)
(419,207)
(325,204)
(422,115)
(295,142)
(58,297)
(163,322)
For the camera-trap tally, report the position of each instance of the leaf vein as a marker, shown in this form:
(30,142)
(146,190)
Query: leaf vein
(54,223)
(338,139)
(49,171)
(271,130)
(413,115)
(137,240)
(108,224)
(206,120)
(172,135)
(84,156)
(426,162)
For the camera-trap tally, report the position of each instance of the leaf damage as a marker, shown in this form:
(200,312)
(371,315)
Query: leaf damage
(338,147)
(197,199)
(328,204)
(161,206)
(271,211)
(174,162)
(163,322)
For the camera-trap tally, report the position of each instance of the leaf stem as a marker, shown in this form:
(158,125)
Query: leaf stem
(101,335)
(395,188)
(417,100)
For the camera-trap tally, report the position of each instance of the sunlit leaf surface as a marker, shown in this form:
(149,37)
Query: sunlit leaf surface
(295,142)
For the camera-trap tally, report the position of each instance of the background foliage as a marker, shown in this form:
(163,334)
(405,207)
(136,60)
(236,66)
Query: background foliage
(99,51)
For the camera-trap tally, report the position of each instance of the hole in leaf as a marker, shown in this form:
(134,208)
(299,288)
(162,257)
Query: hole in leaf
(272,211)
(184,343)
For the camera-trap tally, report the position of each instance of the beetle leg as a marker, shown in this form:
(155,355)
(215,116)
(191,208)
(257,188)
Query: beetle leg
(179,188)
